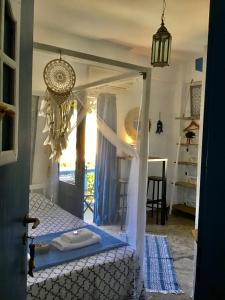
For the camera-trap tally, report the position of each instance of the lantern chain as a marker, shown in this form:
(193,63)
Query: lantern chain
(163,12)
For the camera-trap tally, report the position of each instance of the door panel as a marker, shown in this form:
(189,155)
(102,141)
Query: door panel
(210,272)
(14,177)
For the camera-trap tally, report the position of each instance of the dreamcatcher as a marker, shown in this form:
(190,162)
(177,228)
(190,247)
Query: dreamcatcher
(58,104)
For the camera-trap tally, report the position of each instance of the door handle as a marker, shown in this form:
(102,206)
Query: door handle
(28,220)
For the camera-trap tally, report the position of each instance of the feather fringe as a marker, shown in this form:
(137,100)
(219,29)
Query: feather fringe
(57,111)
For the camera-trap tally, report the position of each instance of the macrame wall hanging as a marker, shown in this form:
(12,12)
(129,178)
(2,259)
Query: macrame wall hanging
(58,104)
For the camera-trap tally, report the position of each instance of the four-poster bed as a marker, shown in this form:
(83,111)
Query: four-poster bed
(135,225)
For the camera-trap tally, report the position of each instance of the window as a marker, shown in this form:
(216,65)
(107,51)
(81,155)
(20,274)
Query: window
(9,74)
(68,158)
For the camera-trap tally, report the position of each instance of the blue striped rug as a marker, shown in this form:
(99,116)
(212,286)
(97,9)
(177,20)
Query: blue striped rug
(159,272)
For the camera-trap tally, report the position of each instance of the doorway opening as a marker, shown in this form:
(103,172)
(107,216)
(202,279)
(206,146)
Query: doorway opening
(174,167)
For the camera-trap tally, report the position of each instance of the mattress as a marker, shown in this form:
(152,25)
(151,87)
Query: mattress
(113,274)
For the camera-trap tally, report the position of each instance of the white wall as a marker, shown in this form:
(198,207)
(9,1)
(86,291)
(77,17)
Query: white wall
(168,96)
(165,99)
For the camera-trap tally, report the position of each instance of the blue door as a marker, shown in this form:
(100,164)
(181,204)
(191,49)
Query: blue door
(15,99)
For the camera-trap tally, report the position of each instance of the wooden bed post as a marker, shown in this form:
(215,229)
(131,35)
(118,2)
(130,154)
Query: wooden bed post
(143,165)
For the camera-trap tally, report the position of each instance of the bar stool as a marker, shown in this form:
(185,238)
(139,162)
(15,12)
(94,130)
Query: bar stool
(157,200)
(123,171)
(123,201)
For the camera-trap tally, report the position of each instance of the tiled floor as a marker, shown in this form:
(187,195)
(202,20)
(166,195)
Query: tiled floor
(178,229)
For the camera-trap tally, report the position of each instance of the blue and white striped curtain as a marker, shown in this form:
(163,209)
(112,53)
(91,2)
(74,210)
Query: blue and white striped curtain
(106,206)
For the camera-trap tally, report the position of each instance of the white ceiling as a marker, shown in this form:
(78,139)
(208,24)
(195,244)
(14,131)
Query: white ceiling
(128,22)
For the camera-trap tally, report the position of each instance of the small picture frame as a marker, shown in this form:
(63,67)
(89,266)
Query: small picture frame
(195,98)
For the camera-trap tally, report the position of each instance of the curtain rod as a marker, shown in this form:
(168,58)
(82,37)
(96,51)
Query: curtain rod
(90,57)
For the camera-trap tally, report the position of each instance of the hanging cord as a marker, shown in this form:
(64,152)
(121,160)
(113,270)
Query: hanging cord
(163,12)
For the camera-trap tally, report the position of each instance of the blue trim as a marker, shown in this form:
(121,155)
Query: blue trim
(199,64)
(210,272)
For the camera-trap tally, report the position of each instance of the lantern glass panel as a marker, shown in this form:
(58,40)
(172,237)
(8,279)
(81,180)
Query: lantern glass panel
(157,51)
(165,57)
(153,57)
(153,52)
(162,51)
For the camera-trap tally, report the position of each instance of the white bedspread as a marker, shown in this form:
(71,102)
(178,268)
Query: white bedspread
(111,275)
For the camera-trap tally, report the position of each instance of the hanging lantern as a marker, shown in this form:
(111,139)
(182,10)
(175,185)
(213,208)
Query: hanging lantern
(161,44)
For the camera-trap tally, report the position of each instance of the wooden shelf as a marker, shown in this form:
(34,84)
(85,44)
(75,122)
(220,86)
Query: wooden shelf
(187,163)
(187,118)
(185,144)
(184,208)
(186,184)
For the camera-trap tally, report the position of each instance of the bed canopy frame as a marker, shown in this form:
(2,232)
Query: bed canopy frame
(99,83)
(139,216)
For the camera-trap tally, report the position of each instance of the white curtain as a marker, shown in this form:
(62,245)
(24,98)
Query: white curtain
(132,203)
(44,172)
(113,138)
(137,186)
(52,181)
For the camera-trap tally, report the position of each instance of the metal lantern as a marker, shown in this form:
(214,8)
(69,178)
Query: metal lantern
(161,45)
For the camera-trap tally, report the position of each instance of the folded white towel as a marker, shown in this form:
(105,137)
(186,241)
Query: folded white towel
(62,245)
(77,236)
